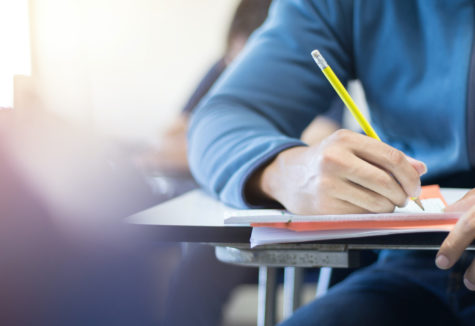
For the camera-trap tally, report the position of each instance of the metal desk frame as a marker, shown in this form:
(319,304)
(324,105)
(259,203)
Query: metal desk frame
(196,217)
(295,257)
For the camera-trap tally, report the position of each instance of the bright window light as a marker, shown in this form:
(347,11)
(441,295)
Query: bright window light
(15,55)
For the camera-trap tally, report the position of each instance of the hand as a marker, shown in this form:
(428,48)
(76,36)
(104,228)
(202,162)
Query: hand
(347,173)
(459,238)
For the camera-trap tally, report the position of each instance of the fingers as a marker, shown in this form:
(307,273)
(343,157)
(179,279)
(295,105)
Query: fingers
(460,238)
(457,240)
(346,173)
(464,204)
(420,167)
(366,200)
(469,277)
(387,158)
(377,181)
(395,162)
(372,165)
(338,206)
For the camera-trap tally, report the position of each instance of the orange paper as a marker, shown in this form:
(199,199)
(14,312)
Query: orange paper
(432,191)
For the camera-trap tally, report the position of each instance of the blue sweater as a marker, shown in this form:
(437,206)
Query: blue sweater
(415,60)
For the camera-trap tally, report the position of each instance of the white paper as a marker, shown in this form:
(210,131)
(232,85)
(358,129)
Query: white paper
(264,235)
(431,205)
(433,209)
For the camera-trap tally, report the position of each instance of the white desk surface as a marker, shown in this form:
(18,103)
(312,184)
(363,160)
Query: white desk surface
(195,208)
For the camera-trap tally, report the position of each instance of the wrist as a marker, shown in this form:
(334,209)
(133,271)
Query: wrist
(269,181)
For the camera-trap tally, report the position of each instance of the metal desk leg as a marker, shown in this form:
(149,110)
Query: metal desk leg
(293,279)
(266,314)
(323,283)
(301,255)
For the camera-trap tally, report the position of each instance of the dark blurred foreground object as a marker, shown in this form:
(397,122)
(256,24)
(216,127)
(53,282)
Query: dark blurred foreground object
(66,257)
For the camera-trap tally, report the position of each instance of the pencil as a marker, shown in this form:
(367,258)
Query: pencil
(349,103)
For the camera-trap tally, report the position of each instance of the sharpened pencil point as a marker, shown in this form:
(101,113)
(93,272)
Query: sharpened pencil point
(419,203)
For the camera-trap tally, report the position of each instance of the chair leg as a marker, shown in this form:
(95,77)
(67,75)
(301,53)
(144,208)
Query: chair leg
(293,279)
(323,281)
(266,313)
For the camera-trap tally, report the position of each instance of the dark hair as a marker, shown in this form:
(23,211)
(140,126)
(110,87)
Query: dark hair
(249,15)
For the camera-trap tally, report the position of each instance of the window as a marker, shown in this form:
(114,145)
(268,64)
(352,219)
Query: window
(15,57)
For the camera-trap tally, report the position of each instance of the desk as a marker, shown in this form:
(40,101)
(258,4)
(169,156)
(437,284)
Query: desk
(196,217)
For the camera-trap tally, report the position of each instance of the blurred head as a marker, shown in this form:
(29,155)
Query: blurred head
(249,15)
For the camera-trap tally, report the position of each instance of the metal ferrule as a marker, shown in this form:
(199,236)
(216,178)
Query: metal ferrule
(321,62)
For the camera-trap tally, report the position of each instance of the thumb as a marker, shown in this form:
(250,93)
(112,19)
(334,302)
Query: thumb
(464,204)
(420,167)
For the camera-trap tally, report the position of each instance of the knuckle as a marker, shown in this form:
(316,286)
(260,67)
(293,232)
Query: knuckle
(330,159)
(399,198)
(388,206)
(400,201)
(382,205)
(342,135)
(395,157)
(384,180)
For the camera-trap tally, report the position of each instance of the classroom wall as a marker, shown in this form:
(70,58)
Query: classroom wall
(125,66)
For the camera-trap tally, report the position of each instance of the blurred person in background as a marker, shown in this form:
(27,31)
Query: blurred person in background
(199,271)
(171,155)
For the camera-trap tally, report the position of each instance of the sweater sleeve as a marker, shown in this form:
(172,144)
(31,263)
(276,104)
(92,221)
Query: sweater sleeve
(273,90)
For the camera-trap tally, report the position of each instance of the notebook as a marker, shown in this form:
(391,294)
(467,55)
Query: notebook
(277,226)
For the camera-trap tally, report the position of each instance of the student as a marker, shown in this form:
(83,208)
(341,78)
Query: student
(198,271)
(171,155)
(416,62)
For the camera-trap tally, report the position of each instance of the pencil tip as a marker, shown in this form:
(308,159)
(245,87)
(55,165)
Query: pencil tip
(419,203)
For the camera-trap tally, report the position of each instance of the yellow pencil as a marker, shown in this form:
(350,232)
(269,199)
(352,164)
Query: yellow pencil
(350,104)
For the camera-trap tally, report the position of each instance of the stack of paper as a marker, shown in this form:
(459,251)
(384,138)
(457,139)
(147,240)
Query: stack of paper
(279,226)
